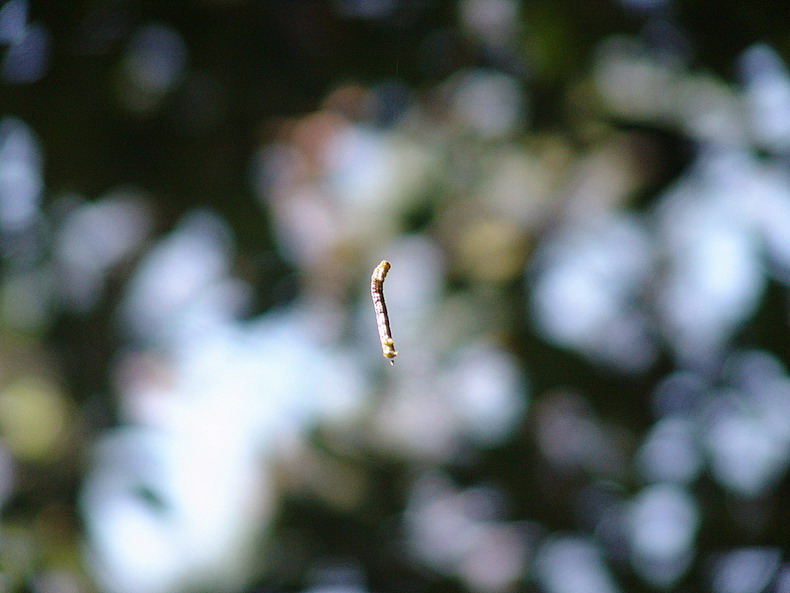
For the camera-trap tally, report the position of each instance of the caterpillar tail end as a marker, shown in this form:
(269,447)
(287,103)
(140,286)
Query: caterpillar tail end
(388,350)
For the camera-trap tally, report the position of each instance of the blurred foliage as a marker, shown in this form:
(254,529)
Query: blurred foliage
(586,369)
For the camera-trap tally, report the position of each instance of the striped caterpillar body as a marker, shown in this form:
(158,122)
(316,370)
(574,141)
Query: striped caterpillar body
(380,307)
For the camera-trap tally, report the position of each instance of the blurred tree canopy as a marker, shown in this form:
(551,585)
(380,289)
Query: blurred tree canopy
(587,208)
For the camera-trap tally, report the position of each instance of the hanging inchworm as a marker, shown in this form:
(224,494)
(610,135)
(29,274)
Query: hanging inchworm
(380,307)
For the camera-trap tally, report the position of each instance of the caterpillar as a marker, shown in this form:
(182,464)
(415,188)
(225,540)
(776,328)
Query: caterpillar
(380,307)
